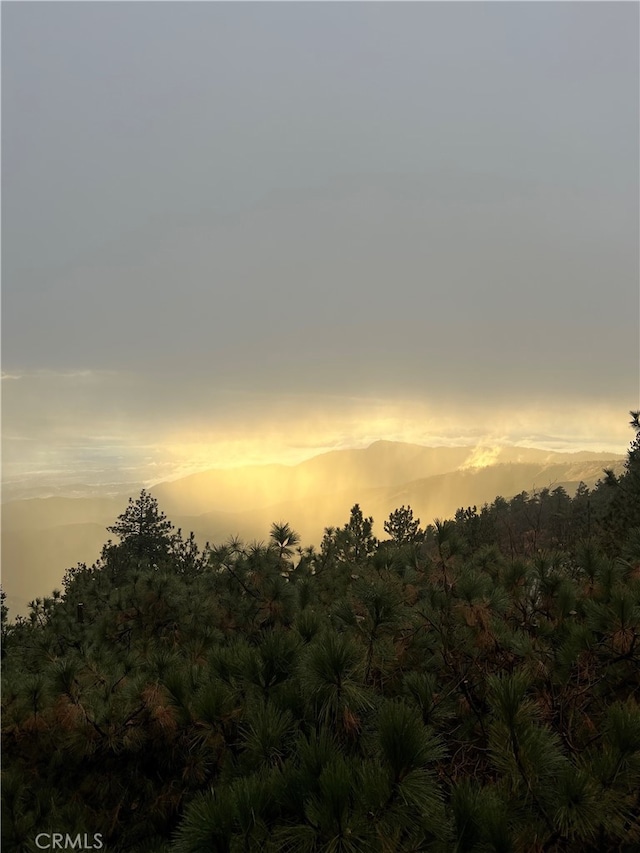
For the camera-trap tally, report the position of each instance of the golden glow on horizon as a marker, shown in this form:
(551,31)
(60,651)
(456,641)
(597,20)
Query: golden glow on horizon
(44,437)
(358,424)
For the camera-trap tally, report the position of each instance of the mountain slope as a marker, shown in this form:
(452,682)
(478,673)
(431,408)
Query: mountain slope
(43,537)
(382,464)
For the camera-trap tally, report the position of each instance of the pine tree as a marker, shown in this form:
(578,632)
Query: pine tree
(402,527)
(144,531)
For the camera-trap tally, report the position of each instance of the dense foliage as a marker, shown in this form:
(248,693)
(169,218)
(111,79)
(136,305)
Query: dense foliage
(469,687)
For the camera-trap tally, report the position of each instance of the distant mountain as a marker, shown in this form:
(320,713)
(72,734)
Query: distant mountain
(41,537)
(383,463)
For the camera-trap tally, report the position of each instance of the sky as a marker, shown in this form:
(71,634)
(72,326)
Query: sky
(243,232)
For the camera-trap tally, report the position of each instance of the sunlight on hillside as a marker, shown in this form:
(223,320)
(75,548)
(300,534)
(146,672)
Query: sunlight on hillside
(107,448)
(287,437)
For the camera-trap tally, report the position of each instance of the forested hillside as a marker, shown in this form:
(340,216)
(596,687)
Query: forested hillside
(470,685)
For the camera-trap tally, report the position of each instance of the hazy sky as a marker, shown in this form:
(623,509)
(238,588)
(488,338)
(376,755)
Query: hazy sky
(315,224)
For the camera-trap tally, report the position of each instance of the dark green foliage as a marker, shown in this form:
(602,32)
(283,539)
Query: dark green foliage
(144,532)
(473,689)
(402,527)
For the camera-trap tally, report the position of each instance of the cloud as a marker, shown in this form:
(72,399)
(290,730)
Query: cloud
(365,289)
(481,457)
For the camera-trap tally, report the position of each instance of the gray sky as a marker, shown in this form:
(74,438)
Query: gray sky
(216,213)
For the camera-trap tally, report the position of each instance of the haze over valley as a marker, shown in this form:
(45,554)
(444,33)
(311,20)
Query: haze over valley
(42,537)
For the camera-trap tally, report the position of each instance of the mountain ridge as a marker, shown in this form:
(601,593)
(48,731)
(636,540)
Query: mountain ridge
(44,536)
